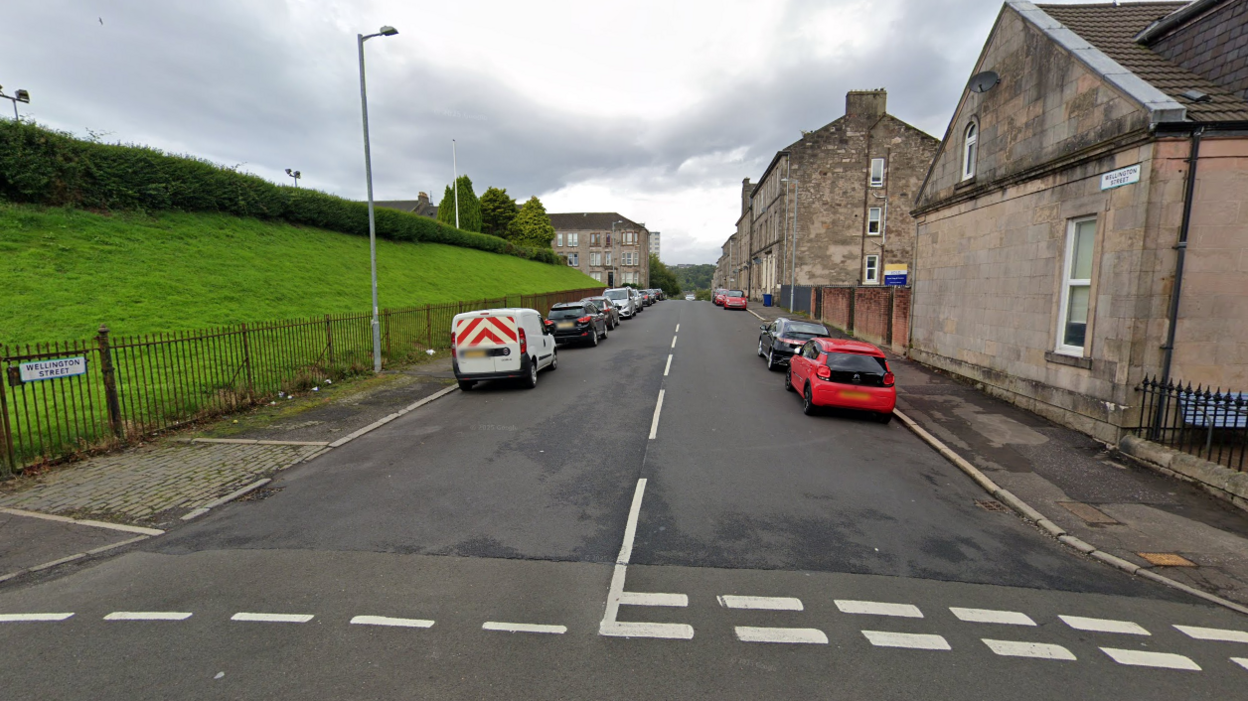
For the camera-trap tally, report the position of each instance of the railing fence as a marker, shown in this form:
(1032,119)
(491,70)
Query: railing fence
(1202,421)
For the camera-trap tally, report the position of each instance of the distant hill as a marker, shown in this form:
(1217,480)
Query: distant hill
(694,277)
(66,271)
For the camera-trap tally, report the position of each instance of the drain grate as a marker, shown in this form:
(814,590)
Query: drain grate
(991,505)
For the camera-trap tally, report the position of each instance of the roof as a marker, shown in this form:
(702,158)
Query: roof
(845,345)
(1112,29)
(598,221)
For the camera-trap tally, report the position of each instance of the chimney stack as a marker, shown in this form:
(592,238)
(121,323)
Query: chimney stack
(869,104)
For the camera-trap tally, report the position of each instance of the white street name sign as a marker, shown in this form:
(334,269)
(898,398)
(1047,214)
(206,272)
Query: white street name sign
(51,369)
(1120,177)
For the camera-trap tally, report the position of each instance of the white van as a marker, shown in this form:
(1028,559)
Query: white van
(497,344)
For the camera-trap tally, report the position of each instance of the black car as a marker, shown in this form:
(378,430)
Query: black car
(577,322)
(782,338)
(606,306)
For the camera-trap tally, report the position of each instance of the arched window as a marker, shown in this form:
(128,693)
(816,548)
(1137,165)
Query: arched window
(970,149)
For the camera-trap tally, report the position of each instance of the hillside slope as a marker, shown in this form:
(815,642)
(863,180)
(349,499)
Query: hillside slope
(66,271)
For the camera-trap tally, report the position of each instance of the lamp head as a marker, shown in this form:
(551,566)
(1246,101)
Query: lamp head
(22,96)
(388,31)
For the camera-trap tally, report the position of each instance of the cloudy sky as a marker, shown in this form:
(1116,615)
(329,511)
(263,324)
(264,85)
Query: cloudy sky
(653,108)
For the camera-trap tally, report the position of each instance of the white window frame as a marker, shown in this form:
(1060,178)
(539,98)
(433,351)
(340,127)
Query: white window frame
(868,268)
(574,259)
(608,259)
(597,275)
(970,149)
(1068,282)
(559,239)
(574,239)
(877,181)
(595,259)
(875,215)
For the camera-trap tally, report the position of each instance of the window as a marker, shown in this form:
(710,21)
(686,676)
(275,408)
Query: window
(597,276)
(595,239)
(874,215)
(1076,286)
(877,172)
(629,237)
(574,259)
(608,258)
(595,259)
(608,236)
(872,276)
(574,239)
(628,258)
(970,150)
(558,239)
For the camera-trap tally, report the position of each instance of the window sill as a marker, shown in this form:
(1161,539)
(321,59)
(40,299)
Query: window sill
(965,183)
(1071,360)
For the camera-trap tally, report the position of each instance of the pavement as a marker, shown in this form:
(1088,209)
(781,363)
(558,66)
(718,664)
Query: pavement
(657,519)
(1089,489)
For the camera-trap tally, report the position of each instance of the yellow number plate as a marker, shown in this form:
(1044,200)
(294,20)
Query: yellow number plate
(474,354)
(565,324)
(855,395)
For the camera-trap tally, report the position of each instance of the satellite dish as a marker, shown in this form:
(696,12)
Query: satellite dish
(983,82)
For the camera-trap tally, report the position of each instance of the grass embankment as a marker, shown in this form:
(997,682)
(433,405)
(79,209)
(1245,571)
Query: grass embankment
(67,271)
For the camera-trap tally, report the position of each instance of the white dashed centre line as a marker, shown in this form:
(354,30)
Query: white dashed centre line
(654,424)
(677,328)
(1008,618)
(32,617)
(1042,651)
(147,616)
(392,622)
(1219,634)
(1139,658)
(809,636)
(673,341)
(524,628)
(876,608)
(917,641)
(272,617)
(669,366)
(635,598)
(1104,625)
(766,603)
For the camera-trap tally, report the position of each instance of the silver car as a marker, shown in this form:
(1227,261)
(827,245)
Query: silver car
(622,297)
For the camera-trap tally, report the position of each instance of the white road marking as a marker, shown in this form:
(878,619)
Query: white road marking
(767,603)
(80,522)
(1219,634)
(147,616)
(1008,618)
(524,628)
(272,617)
(1139,658)
(1104,625)
(1241,661)
(669,365)
(673,341)
(667,631)
(810,636)
(1015,648)
(634,511)
(876,608)
(654,423)
(917,641)
(677,328)
(32,617)
(393,622)
(634,598)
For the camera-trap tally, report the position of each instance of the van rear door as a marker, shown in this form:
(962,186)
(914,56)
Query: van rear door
(487,342)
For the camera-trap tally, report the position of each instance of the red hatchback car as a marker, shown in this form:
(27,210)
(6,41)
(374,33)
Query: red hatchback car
(845,374)
(734,299)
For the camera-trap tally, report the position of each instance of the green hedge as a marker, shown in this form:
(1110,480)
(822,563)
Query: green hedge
(39,166)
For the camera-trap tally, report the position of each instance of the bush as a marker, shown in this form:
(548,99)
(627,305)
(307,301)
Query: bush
(39,166)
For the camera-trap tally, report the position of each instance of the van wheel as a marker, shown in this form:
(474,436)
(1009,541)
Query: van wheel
(531,380)
(465,385)
(554,360)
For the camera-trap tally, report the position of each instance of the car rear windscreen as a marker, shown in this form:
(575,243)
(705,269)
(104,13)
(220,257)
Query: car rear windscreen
(735,293)
(807,330)
(853,362)
(570,313)
(617,294)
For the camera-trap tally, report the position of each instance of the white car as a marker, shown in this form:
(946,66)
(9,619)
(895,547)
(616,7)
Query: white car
(690,298)
(498,344)
(622,298)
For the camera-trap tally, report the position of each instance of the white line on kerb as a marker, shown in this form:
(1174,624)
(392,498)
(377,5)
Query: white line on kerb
(392,622)
(1241,661)
(524,628)
(673,341)
(877,608)
(32,617)
(1008,618)
(1138,658)
(669,365)
(147,616)
(811,636)
(1219,634)
(636,598)
(272,617)
(766,603)
(654,423)
(1042,651)
(917,641)
(1104,625)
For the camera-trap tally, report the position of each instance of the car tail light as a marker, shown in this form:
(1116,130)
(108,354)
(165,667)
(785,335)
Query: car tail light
(524,343)
(823,372)
(584,320)
(888,379)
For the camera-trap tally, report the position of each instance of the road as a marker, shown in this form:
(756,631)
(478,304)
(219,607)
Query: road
(582,540)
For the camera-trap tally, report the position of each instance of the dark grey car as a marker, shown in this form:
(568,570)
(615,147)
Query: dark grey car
(577,322)
(783,337)
(606,306)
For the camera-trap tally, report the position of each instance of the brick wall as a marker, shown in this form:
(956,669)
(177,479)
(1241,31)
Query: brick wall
(1214,46)
(872,312)
(837,303)
(901,319)
(879,315)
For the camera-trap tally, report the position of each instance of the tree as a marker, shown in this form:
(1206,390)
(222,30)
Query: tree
(469,206)
(532,226)
(695,277)
(663,278)
(497,211)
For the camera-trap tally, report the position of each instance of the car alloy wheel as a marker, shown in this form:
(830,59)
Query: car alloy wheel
(771,359)
(760,348)
(808,402)
(788,380)
(604,330)
(593,337)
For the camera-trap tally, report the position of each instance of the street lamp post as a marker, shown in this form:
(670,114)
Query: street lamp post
(386,31)
(615,264)
(294,174)
(19,96)
(455,182)
(793,268)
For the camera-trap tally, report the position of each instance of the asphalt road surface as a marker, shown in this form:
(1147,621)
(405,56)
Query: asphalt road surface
(656,520)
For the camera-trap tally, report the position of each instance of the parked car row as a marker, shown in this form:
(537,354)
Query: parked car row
(730,299)
(499,344)
(829,372)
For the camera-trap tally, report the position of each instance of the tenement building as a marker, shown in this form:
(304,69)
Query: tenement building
(605,246)
(839,197)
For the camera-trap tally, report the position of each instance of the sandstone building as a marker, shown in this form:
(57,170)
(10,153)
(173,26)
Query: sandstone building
(605,246)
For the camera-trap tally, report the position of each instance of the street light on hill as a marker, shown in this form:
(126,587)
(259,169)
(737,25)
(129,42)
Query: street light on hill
(19,96)
(294,174)
(386,31)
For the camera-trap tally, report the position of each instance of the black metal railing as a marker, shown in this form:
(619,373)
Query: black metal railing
(1207,422)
